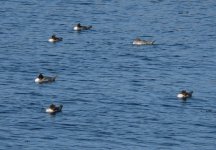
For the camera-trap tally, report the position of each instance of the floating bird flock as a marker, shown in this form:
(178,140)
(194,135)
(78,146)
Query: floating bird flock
(52,109)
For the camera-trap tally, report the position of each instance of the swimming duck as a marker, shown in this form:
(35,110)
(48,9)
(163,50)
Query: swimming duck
(79,27)
(54,109)
(184,94)
(53,39)
(138,41)
(44,79)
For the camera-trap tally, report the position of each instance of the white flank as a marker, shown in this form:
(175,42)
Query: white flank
(76,28)
(37,80)
(180,96)
(51,40)
(48,110)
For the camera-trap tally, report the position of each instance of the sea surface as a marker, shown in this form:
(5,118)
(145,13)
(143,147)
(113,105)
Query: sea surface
(115,95)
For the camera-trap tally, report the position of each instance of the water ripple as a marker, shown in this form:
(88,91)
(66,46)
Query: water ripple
(115,95)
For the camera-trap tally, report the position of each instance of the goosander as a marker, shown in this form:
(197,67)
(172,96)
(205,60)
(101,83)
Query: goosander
(138,41)
(53,39)
(44,79)
(79,27)
(184,94)
(54,109)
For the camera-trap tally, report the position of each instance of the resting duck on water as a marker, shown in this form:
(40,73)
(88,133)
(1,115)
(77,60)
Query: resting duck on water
(138,41)
(79,27)
(184,94)
(44,79)
(54,109)
(53,39)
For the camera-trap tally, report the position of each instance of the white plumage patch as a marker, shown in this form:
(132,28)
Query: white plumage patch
(51,40)
(48,110)
(76,28)
(180,96)
(37,80)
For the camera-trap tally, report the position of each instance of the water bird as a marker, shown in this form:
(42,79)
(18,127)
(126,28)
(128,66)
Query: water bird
(184,94)
(79,27)
(54,109)
(139,41)
(44,79)
(54,39)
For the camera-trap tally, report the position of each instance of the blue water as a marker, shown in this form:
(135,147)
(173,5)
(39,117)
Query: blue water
(115,95)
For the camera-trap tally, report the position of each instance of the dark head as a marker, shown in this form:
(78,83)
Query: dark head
(40,76)
(183,91)
(52,106)
(78,25)
(53,36)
